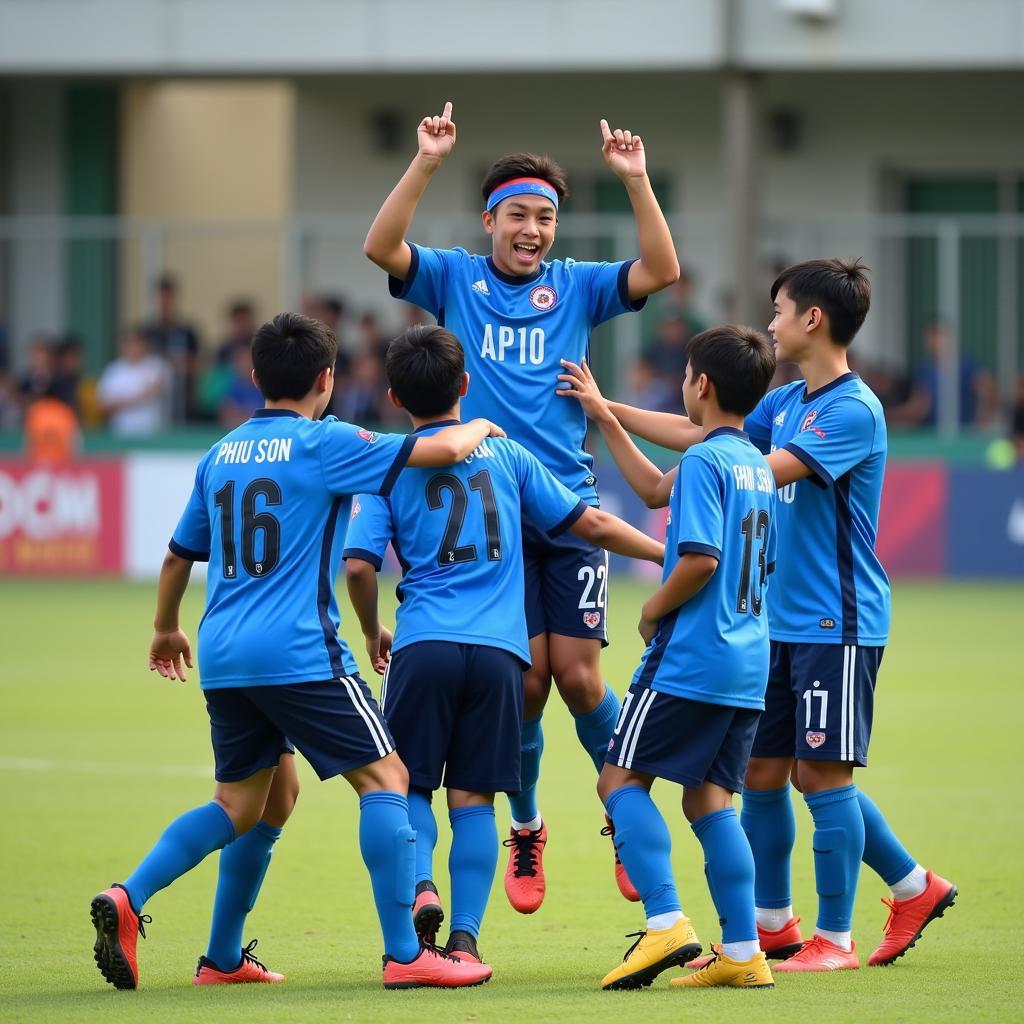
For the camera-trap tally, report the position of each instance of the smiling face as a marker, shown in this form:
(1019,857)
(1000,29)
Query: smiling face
(790,329)
(522,230)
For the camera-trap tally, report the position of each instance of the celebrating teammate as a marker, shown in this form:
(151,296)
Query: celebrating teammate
(268,511)
(517,316)
(453,690)
(694,703)
(829,619)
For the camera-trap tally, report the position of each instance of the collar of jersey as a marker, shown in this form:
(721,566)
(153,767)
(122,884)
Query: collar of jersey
(512,278)
(727,432)
(810,396)
(262,413)
(439,423)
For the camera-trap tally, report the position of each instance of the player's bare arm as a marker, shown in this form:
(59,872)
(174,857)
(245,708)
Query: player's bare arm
(667,429)
(452,444)
(690,574)
(170,646)
(612,534)
(653,486)
(786,467)
(658,265)
(385,241)
(361,580)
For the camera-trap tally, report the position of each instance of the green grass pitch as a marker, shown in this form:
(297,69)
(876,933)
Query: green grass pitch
(98,755)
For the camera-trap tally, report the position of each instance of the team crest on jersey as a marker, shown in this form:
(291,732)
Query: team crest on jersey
(543,297)
(591,619)
(808,423)
(611,743)
(815,739)
(368,436)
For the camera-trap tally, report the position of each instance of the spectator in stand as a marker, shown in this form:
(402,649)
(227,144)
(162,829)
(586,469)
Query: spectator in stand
(650,390)
(975,385)
(679,304)
(361,400)
(371,339)
(668,352)
(1017,421)
(52,433)
(37,380)
(174,339)
(10,405)
(242,398)
(241,327)
(67,374)
(134,389)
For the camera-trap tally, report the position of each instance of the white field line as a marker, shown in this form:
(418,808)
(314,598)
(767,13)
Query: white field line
(46,764)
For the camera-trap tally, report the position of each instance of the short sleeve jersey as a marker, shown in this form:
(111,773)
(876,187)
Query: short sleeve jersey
(714,647)
(268,511)
(457,534)
(514,331)
(830,587)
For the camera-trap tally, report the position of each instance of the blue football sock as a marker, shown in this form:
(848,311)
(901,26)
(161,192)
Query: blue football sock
(524,803)
(388,845)
(838,847)
(883,852)
(595,728)
(421,817)
(644,847)
(770,824)
(185,842)
(471,863)
(243,866)
(729,866)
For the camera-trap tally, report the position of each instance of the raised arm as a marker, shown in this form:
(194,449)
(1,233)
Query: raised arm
(170,646)
(452,444)
(667,429)
(658,265)
(612,534)
(653,486)
(385,241)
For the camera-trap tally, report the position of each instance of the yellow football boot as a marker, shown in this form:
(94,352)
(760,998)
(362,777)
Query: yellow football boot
(721,971)
(652,953)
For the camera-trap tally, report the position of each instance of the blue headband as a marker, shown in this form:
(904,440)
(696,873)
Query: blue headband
(522,187)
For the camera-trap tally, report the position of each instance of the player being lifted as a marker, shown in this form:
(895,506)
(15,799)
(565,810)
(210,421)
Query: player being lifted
(829,620)
(453,692)
(517,316)
(268,511)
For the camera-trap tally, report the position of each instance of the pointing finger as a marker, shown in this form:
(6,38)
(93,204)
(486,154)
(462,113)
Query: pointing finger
(605,131)
(447,112)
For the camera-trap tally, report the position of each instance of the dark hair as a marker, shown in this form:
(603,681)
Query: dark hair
(739,361)
(240,307)
(289,353)
(841,289)
(526,165)
(424,367)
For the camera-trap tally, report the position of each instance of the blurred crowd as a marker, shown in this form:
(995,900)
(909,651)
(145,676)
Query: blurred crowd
(165,376)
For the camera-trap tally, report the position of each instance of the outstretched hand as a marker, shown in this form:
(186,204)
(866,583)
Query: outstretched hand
(623,152)
(166,653)
(583,387)
(436,135)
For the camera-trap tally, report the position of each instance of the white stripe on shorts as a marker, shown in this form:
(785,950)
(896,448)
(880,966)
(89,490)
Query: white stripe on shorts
(367,715)
(844,703)
(635,708)
(851,716)
(384,686)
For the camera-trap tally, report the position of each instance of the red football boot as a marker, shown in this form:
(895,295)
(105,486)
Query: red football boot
(776,945)
(908,918)
(248,971)
(818,954)
(524,876)
(462,945)
(427,915)
(626,887)
(118,928)
(434,968)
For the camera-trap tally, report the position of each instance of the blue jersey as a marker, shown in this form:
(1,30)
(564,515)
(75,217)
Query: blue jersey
(268,510)
(458,535)
(514,331)
(714,648)
(831,588)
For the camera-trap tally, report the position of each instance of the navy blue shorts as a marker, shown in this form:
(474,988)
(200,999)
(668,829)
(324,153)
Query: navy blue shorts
(685,741)
(566,585)
(336,726)
(456,709)
(819,702)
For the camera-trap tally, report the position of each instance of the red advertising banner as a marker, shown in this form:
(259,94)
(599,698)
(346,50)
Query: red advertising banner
(61,521)
(912,522)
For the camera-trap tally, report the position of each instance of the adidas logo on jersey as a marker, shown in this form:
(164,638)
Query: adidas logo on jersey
(781,418)
(481,287)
